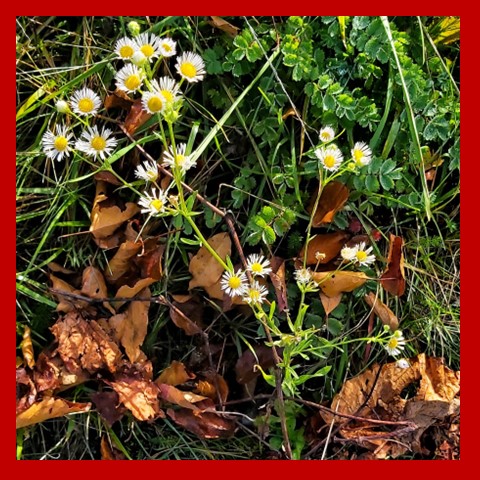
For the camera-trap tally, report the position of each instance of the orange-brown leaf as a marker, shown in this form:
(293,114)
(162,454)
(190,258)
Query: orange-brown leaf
(126,291)
(332,199)
(136,117)
(49,407)
(107,405)
(186,313)
(224,26)
(121,262)
(175,374)
(245,368)
(206,425)
(327,244)
(330,303)
(278,280)
(384,313)
(66,303)
(93,286)
(27,348)
(173,395)
(336,282)
(214,386)
(107,452)
(118,99)
(204,268)
(393,279)
(105,220)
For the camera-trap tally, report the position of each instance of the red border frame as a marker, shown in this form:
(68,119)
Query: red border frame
(400,469)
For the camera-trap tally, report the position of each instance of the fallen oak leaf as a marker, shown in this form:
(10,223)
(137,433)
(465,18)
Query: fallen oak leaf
(338,281)
(47,408)
(382,311)
(393,279)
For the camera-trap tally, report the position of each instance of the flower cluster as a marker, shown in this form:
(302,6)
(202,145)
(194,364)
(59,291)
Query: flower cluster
(330,156)
(359,254)
(235,283)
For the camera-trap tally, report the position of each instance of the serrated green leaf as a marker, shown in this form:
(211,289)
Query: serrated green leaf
(386,182)
(268,235)
(371,183)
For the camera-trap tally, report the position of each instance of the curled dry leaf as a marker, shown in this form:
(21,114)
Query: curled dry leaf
(326,244)
(336,282)
(93,286)
(49,407)
(436,388)
(66,303)
(85,345)
(205,270)
(393,279)
(171,394)
(27,348)
(332,199)
(139,396)
(118,99)
(384,313)
(207,425)
(213,386)
(131,327)
(26,390)
(108,452)
(136,117)
(126,291)
(224,26)
(186,312)
(121,262)
(277,276)
(175,374)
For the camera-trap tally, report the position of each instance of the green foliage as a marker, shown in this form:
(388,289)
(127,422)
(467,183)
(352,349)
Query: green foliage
(269,223)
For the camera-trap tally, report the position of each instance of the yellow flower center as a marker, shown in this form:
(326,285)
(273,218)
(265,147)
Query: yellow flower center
(168,95)
(147,50)
(329,161)
(180,159)
(155,104)
(234,282)
(256,267)
(188,70)
(393,343)
(157,204)
(98,143)
(358,155)
(126,51)
(86,105)
(167,47)
(325,136)
(152,175)
(254,295)
(133,82)
(361,256)
(60,143)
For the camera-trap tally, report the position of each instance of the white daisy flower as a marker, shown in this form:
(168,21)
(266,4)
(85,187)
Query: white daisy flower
(149,45)
(396,344)
(361,154)
(125,48)
(168,87)
(234,283)
(129,78)
(348,253)
(303,275)
(147,171)
(155,203)
(178,159)
(62,106)
(85,102)
(56,145)
(139,58)
(331,157)
(258,265)
(191,67)
(326,134)
(153,102)
(168,47)
(94,143)
(362,256)
(255,294)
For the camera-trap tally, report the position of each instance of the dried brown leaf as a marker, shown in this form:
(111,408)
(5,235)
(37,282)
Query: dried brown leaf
(27,348)
(118,99)
(107,452)
(245,368)
(66,303)
(393,279)
(26,390)
(333,197)
(139,396)
(186,313)
(336,282)
(171,394)
(204,268)
(121,262)
(328,244)
(136,117)
(205,425)
(384,313)
(126,291)
(131,327)
(224,26)
(214,386)
(277,276)
(108,406)
(49,407)
(330,303)
(107,219)
(150,263)
(93,286)
(175,374)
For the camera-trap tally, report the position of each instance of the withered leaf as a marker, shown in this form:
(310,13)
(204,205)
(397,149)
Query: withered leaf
(205,270)
(393,279)
(49,407)
(121,262)
(330,303)
(175,374)
(126,291)
(136,117)
(332,199)
(107,177)
(107,219)
(384,313)
(186,313)
(27,348)
(56,267)
(224,26)
(150,262)
(108,406)
(66,303)
(139,396)
(118,99)
(85,345)
(171,394)
(206,425)
(93,286)
(131,327)
(108,452)
(336,282)
(245,367)
(277,276)
(214,386)
(26,391)
(327,244)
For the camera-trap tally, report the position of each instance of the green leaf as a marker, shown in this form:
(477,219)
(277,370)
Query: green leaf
(371,183)
(269,235)
(386,182)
